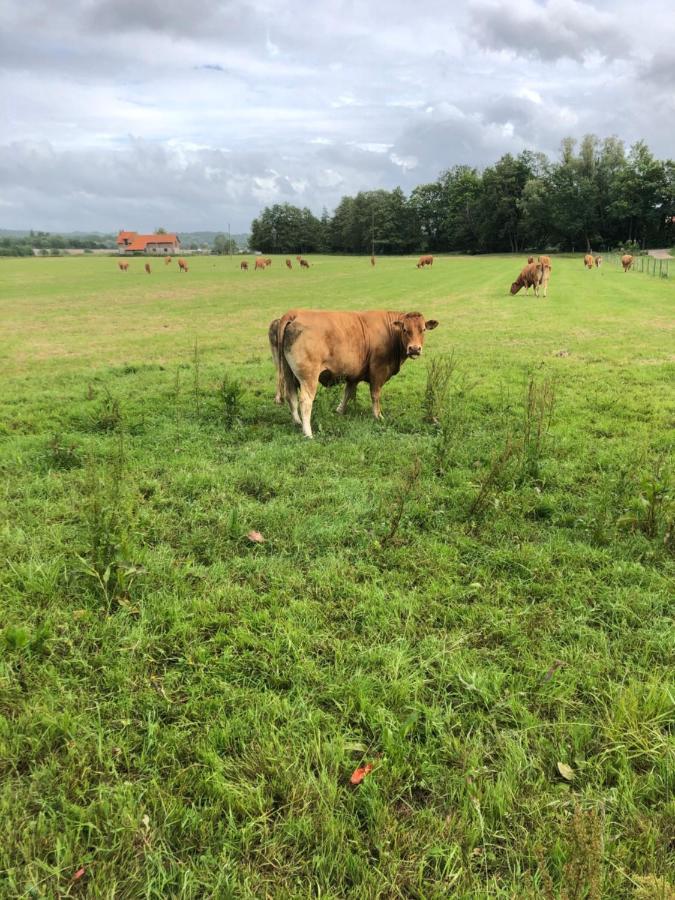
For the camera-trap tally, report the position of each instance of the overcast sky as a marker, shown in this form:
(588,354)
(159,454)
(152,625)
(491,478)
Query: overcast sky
(190,114)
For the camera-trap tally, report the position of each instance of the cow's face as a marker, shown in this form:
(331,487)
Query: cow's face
(515,287)
(411,329)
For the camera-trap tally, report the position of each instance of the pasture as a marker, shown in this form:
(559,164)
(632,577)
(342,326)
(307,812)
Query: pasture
(473,595)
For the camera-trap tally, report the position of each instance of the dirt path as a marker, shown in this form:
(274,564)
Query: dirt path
(660,254)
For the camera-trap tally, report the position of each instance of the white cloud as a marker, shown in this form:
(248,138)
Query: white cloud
(120,111)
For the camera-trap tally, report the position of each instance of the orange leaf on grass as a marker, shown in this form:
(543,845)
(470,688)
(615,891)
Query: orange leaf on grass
(359,774)
(79,874)
(255,537)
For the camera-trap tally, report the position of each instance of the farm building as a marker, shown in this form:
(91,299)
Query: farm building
(129,242)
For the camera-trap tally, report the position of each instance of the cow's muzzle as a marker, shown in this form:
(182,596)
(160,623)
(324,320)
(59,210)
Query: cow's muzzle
(414,352)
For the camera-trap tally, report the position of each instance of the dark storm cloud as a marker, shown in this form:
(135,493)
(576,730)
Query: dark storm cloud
(134,113)
(554,30)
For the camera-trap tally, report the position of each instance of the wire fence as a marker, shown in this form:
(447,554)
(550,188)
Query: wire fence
(649,265)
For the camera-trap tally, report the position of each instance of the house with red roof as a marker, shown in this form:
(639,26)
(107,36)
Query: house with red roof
(130,242)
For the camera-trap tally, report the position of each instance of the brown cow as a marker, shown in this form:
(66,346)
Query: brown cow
(372,260)
(598,262)
(544,264)
(260,264)
(289,264)
(182,265)
(328,347)
(304,264)
(243,265)
(268,261)
(147,268)
(530,276)
(167,260)
(588,261)
(626,261)
(124,266)
(273,337)
(425,261)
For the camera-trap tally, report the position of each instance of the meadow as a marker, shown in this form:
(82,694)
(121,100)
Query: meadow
(474,595)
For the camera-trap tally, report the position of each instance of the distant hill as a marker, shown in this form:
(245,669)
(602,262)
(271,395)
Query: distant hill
(201,238)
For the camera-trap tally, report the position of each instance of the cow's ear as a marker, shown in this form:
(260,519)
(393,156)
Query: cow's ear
(430,324)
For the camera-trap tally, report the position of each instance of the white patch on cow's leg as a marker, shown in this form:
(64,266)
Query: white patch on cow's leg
(307,394)
(349,394)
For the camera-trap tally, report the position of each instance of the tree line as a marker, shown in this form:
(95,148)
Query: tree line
(595,196)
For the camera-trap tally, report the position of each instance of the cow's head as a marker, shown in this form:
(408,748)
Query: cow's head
(411,328)
(516,286)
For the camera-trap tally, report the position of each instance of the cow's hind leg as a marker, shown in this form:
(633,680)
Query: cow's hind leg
(347,397)
(308,389)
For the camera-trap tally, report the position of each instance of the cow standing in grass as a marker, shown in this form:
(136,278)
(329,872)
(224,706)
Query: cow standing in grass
(268,261)
(589,262)
(182,265)
(289,264)
(530,276)
(147,268)
(423,261)
(124,266)
(372,260)
(260,264)
(167,261)
(304,264)
(598,262)
(243,265)
(317,347)
(626,261)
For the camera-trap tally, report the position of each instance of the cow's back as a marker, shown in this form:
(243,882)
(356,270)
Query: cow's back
(344,344)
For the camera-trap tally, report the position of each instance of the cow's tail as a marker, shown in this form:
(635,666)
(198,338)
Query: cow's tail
(291,383)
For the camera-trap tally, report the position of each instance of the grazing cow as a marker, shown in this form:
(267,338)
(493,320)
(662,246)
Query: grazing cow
(167,260)
(372,260)
(626,261)
(268,261)
(588,261)
(147,268)
(243,265)
(304,264)
(329,347)
(530,276)
(273,337)
(182,265)
(598,262)
(425,261)
(260,264)
(289,264)
(124,266)
(544,264)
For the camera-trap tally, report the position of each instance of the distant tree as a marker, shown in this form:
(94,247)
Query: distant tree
(222,245)
(160,231)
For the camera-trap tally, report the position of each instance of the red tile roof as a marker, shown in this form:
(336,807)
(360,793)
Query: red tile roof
(140,241)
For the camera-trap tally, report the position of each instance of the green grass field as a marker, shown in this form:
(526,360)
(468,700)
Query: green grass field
(474,595)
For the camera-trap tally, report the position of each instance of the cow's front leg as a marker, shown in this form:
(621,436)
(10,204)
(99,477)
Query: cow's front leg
(349,394)
(375,390)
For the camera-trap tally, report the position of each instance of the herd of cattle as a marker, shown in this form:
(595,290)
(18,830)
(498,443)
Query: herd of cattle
(182,265)
(312,347)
